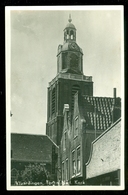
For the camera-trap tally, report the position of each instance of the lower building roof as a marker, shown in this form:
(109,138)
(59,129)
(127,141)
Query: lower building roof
(32,148)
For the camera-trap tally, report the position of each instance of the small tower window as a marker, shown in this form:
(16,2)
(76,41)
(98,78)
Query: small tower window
(53,101)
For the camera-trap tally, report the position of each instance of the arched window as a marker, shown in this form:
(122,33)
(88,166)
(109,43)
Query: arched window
(67,34)
(53,101)
(72,34)
(75,88)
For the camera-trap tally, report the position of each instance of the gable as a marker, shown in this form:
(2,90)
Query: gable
(66,116)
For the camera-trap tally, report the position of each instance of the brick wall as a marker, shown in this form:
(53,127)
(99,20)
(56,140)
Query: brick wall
(106,153)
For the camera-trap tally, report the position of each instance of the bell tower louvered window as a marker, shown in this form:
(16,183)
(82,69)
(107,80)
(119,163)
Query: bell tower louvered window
(53,101)
(72,34)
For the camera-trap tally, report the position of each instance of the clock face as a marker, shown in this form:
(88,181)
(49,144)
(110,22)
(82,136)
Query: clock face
(74,46)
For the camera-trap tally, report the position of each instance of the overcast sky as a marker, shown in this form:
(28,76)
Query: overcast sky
(35,36)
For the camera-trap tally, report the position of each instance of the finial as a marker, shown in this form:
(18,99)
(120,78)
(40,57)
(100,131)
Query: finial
(69,18)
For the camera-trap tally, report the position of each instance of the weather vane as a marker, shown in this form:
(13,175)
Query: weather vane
(69,18)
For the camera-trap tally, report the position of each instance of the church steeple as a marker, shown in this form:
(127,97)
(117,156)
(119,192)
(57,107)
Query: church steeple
(70,55)
(70,31)
(68,81)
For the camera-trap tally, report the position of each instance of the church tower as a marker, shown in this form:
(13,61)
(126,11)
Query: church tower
(68,81)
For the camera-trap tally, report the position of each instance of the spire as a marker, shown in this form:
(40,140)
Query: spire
(69,18)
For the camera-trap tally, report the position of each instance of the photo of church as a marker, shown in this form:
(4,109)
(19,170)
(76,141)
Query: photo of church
(82,140)
(82,116)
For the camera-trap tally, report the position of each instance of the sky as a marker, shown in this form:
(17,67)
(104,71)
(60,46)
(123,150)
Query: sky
(34,39)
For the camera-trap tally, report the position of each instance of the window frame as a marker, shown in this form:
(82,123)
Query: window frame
(76,125)
(67,170)
(78,160)
(73,163)
(63,171)
(64,140)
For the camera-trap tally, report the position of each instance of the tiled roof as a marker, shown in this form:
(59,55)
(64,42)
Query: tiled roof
(98,111)
(26,147)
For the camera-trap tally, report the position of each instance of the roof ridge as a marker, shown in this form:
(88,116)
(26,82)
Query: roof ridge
(98,96)
(27,134)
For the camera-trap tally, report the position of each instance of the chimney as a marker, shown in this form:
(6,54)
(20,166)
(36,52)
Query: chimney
(114,93)
(116,111)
